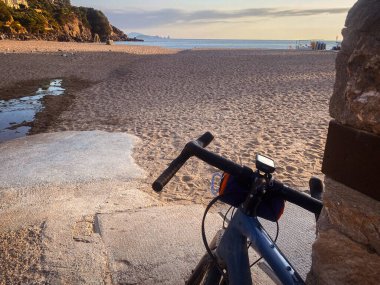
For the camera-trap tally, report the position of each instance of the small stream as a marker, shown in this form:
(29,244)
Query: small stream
(15,114)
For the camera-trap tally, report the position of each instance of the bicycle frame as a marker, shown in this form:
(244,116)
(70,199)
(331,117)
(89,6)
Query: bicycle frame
(233,253)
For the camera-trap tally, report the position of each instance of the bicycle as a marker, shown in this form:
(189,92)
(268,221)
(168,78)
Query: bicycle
(254,194)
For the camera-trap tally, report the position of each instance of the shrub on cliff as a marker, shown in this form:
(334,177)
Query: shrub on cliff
(45,5)
(5,14)
(17,27)
(81,13)
(33,21)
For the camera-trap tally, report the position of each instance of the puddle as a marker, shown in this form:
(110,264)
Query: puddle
(17,114)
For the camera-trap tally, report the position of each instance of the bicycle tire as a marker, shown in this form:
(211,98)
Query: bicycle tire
(213,276)
(206,272)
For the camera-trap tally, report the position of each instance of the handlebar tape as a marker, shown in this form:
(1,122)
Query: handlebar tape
(205,139)
(177,163)
(169,172)
(316,188)
(301,199)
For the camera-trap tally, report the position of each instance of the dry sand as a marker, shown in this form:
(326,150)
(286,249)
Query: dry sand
(271,102)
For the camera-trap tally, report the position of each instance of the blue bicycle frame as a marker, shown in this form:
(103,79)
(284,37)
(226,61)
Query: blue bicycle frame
(233,254)
(231,251)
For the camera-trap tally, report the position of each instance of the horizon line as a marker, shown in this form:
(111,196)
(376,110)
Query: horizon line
(245,39)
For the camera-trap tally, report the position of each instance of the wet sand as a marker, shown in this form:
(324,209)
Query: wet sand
(271,102)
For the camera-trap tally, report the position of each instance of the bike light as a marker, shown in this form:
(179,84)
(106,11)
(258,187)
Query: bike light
(265,164)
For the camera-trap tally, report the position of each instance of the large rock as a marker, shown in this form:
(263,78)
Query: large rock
(356,98)
(339,260)
(352,213)
(96,38)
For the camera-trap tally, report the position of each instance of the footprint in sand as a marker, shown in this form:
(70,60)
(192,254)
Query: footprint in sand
(186,178)
(290,168)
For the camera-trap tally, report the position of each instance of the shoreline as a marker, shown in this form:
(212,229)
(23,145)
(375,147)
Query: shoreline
(34,46)
(40,46)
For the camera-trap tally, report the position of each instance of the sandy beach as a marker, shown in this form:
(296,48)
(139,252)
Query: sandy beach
(271,102)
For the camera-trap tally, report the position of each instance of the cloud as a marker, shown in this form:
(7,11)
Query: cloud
(136,19)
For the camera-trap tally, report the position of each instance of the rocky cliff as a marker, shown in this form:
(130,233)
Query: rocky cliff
(55,20)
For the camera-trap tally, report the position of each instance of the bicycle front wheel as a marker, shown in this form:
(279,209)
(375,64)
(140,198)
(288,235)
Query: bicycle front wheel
(207,272)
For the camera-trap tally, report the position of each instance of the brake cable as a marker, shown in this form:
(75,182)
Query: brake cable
(213,201)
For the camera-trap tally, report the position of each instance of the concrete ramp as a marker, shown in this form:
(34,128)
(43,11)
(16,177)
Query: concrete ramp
(158,245)
(66,157)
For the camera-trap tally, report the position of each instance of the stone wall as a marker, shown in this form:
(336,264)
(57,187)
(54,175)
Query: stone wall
(347,250)
(356,98)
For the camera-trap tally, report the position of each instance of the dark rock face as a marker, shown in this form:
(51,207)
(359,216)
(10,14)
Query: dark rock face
(118,35)
(77,31)
(356,98)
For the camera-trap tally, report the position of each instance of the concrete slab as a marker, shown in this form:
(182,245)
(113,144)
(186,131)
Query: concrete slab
(161,245)
(67,157)
(158,245)
(140,242)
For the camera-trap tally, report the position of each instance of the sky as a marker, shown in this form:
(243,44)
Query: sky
(227,19)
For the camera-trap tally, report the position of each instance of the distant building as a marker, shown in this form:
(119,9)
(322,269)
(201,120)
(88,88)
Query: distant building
(15,3)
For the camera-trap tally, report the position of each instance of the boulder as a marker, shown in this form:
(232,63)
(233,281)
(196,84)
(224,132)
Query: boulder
(63,38)
(339,260)
(110,42)
(351,213)
(96,38)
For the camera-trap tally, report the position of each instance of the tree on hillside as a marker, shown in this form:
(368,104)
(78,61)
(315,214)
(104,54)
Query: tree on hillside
(5,14)
(41,4)
(34,22)
(99,23)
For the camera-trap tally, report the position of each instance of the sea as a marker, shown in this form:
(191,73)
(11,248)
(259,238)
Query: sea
(226,44)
